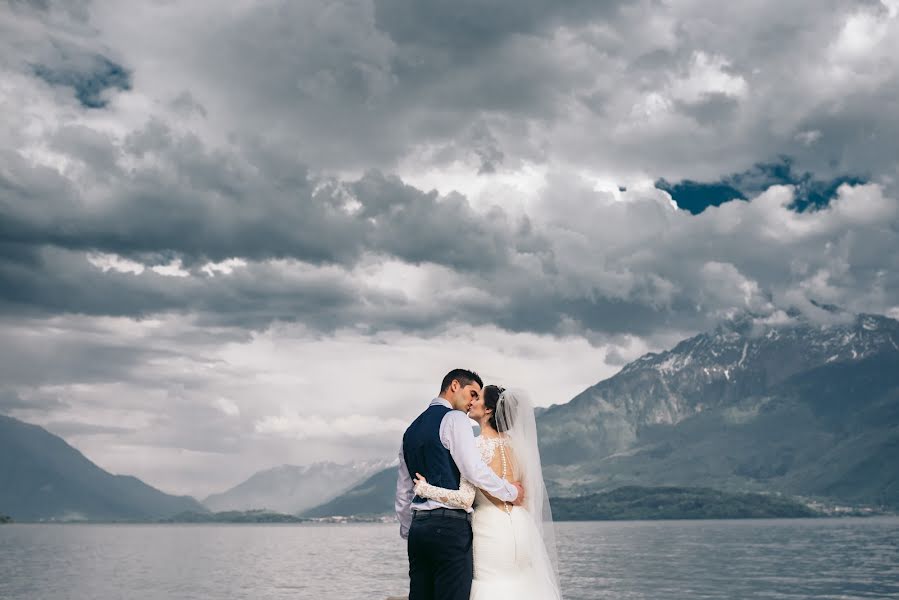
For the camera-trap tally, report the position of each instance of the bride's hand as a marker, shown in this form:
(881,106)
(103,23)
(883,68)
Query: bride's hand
(420,479)
(519,500)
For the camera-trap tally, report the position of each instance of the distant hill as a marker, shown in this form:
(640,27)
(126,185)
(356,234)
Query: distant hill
(798,408)
(293,489)
(374,496)
(42,477)
(5,519)
(644,503)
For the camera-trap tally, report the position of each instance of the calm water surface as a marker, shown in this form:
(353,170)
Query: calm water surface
(672,560)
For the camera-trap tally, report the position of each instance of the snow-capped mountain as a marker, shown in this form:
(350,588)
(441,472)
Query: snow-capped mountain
(722,407)
(292,489)
(743,345)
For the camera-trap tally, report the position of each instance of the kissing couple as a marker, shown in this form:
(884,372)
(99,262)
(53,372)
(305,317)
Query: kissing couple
(476,514)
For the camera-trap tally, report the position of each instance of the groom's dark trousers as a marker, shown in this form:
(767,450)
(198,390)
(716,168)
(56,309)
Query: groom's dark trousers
(440,560)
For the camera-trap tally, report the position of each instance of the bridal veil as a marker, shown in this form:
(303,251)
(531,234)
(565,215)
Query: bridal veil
(516,419)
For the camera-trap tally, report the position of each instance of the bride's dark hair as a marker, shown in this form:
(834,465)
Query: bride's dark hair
(491,399)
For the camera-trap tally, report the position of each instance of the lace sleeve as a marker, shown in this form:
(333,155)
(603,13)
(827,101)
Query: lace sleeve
(461,498)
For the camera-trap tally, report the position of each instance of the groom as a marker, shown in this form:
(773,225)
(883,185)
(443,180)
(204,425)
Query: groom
(440,445)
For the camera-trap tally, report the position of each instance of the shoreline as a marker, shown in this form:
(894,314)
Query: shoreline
(820,519)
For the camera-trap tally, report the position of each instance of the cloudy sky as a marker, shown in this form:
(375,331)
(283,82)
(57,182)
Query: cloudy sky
(235,235)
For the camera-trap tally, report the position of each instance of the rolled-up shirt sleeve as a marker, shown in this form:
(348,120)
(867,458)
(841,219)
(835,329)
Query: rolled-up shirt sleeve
(458,438)
(404,495)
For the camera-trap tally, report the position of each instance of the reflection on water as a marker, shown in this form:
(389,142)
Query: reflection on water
(672,560)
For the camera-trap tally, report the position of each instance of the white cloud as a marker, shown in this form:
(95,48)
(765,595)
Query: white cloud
(808,137)
(862,206)
(172,269)
(225,267)
(861,36)
(707,75)
(729,288)
(105,262)
(227,406)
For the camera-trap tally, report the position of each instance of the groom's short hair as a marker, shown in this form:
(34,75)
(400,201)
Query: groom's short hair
(463,376)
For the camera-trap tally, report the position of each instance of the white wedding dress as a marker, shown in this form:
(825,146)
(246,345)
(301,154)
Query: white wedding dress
(510,560)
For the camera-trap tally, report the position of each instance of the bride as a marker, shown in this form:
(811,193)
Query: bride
(513,546)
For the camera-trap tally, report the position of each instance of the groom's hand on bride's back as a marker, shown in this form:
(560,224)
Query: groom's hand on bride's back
(519,500)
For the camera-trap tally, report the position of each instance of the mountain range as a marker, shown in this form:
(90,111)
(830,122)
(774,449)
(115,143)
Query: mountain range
(796,408)
(44,478)
(292,489)
(802,409)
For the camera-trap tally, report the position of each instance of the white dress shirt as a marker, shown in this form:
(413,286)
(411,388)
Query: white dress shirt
(457,436)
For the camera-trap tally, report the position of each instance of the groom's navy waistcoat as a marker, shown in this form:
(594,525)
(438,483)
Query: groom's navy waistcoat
(424,452)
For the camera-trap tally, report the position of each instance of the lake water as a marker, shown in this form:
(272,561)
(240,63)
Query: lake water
(670,560)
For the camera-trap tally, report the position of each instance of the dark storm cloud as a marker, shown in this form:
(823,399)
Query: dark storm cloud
(200,205)
(469,27)
(65,282)
(421,227)
(79,355)
(607,317)
(861,139)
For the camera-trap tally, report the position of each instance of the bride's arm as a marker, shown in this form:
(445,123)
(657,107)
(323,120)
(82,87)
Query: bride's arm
(461,498)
